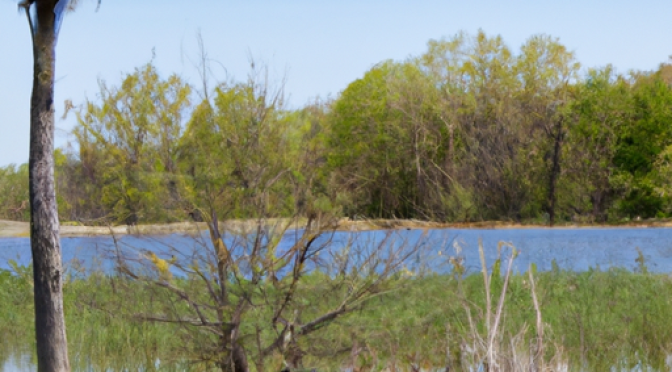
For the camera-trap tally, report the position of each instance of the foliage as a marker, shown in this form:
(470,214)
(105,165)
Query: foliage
(14,193)
(469,130)
(128,146)
(236,153)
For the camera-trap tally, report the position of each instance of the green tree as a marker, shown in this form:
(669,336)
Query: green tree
(361,149)
(600,111)
(236,151)
(546,69)
(383,143)
(478,79)
(427,152)
(468,130)
(128,146)
(14,193)
(443,64)
(640,145)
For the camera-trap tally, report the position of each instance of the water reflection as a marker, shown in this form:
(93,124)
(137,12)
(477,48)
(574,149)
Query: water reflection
(18,362)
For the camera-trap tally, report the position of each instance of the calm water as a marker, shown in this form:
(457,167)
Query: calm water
(574,249)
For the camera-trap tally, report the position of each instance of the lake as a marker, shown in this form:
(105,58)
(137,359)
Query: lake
(575,249)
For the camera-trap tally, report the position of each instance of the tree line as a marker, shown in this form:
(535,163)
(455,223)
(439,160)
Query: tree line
(470,130)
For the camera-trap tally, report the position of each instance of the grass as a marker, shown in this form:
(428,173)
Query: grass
(593,320)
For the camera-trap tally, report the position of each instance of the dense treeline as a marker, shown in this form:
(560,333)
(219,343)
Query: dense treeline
(470,130)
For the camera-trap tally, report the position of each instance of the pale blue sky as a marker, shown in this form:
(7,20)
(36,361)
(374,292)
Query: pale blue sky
(319,45)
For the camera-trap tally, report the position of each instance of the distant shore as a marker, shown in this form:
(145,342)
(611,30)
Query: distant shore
(22,229)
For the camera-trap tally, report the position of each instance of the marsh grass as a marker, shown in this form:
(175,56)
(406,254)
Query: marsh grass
(499,320)
(590,321)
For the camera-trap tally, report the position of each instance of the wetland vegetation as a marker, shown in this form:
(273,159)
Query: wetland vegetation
(593,320)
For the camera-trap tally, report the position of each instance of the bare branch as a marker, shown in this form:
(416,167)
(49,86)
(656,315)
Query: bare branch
(214,327)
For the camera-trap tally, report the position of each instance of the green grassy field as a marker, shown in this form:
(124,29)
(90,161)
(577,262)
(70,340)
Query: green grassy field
(592,320)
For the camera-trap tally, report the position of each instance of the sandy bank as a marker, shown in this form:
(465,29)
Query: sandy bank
(21,229)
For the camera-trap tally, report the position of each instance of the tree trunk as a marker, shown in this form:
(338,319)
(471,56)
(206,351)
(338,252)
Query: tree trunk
(555,172)
(597,199)
(451,152)
(52,349)
(239,359)
(236,361)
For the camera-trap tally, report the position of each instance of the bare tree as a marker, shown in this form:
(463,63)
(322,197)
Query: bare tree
(251,290)
(45,21)
(52,349)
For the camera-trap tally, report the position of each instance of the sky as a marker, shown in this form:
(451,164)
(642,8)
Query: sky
(317,46)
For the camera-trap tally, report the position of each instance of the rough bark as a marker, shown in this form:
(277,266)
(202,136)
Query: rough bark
(239,359)
(236,361)
(52,350)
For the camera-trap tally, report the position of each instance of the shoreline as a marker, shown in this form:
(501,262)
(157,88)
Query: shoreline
(14,229)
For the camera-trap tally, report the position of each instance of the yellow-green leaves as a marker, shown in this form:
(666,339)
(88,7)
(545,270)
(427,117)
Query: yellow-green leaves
(237,154)
(162,266)
(128,142)
(14,193)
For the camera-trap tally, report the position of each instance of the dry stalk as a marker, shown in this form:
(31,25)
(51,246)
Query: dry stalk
(500,306)
(486,282)
(486,351)
(538,354)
